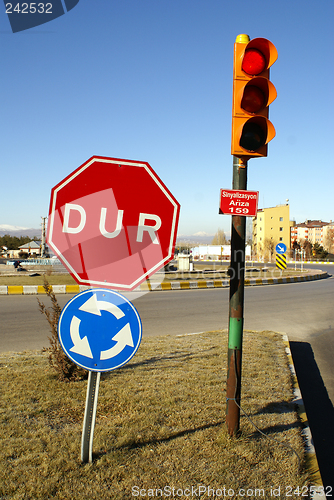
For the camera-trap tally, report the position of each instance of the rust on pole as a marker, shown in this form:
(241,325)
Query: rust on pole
(236,305)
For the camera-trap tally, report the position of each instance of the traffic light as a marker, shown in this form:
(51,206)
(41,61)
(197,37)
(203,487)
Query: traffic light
(253,92)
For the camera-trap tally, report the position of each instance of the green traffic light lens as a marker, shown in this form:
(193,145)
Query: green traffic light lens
(253,137)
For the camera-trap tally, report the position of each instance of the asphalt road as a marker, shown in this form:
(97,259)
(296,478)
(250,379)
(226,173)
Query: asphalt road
(304,311)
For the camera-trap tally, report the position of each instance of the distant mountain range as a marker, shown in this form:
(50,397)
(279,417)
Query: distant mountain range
(19,231)
(200,238)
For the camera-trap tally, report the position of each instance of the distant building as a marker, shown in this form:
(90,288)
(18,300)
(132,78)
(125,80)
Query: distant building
(32,249)
(271,226)
(299,232)
(314,231)
(216,252)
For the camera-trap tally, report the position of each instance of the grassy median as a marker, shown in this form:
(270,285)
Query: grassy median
(30,278)
(160,425)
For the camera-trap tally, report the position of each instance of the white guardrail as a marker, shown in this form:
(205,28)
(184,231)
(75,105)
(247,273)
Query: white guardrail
(36,262)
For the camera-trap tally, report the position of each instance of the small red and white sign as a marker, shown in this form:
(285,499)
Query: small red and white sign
(238,202)
(112,223)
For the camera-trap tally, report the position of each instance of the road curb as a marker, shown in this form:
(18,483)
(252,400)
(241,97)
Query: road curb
(311,461)
(151,286)
(184,285)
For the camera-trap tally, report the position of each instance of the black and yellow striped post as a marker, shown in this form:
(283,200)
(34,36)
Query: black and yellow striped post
(281,261)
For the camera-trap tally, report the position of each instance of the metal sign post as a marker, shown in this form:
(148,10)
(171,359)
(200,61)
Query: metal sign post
(89,418)
(99,330)
(112,223)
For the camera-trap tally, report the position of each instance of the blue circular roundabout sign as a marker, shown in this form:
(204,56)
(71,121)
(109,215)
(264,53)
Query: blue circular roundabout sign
(99,330)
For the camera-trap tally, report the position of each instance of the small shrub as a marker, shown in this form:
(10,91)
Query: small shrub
(48,271)
(67,371)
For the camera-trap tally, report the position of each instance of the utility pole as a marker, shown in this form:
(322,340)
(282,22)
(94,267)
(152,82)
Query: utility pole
(253,92)
(236,304)
(43,237)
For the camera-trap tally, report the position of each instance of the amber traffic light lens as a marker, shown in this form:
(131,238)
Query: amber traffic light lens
(253,99)
(253,62)
(253,136)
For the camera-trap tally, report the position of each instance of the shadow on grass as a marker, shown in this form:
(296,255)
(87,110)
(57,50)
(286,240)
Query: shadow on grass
(318,406)
(277,407)
(131,445)
(134,444)
(160,359)
(272,429)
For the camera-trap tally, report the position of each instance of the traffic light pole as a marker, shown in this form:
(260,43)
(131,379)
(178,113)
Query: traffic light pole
(236,305)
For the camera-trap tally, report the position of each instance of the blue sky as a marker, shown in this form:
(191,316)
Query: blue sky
(151,80)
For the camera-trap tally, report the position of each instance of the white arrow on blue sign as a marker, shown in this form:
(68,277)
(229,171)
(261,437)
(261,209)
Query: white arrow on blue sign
(281,248)
(99,330)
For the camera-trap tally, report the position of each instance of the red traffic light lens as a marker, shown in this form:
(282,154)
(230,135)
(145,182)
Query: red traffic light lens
(253,99)
(253,62)
(253,136)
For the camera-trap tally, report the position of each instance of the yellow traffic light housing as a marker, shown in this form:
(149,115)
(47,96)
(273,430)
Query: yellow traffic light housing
(253,92)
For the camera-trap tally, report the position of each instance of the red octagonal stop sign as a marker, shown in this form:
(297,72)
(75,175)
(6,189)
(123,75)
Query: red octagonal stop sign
(112,223)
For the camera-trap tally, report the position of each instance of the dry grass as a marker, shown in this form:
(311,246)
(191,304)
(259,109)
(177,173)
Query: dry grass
(221,272)
(201,274)
(24,279)
(160,424)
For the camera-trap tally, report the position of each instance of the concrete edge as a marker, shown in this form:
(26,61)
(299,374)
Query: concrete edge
(151,287)
(317,487)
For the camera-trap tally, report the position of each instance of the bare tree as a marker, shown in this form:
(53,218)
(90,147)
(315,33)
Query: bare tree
(307,248)
(219,238)
(329,241)
(269,248)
